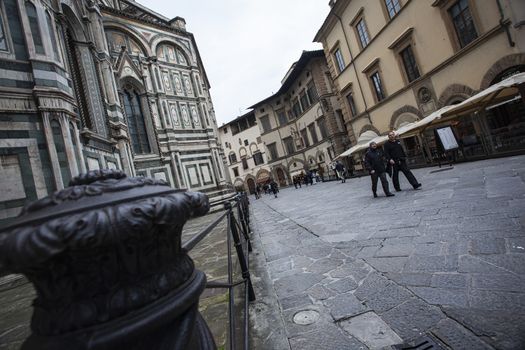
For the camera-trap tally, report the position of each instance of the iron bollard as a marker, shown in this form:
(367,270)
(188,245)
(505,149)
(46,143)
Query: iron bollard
(106,261)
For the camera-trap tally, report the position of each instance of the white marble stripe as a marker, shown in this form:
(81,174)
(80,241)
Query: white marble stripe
(42,74)
(15,75)
(19,126)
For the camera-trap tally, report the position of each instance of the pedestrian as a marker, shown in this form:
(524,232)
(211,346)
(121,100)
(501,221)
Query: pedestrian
(375,164)
(396,156)
(340,170)
(273,188)
(257,191)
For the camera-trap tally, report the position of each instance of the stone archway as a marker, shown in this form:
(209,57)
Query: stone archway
(251,185)
(262,176)
(453,93)
(500,66)
(281,177)
(403,111)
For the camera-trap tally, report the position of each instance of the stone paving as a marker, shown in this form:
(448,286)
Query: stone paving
(350,271)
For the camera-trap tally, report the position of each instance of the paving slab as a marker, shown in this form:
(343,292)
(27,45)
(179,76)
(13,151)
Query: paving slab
(371,330)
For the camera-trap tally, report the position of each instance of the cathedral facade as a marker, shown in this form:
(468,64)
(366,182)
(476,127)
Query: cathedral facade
(89,85)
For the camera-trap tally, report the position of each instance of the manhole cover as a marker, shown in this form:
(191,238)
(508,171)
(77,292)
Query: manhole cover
(306,317)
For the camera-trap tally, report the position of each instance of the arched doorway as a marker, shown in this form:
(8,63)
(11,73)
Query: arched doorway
(251,185)
(281,177)
(505,123)
(263,176)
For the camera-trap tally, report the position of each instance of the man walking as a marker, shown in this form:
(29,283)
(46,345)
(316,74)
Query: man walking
(340,171)
(375,164)
(395,154)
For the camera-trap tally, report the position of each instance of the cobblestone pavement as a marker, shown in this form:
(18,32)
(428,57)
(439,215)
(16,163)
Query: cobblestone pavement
(358,272)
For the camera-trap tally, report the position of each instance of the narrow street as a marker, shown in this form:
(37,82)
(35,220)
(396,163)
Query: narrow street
(349,271)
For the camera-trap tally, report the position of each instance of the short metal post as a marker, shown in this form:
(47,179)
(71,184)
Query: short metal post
(94,246)
(244,224)
(240,253)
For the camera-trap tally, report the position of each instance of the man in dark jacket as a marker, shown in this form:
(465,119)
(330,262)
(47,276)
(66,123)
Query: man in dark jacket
(375,164)
(340,171)
(395,154)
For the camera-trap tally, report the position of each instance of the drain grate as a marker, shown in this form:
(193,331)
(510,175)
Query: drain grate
(425,342)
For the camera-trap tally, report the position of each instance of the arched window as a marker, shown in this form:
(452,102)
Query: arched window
(60,147)
(136,123)
(3,37)
(35,28)
(73,136)
(52,36)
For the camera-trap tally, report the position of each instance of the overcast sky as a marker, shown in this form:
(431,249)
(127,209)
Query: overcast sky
(247,46)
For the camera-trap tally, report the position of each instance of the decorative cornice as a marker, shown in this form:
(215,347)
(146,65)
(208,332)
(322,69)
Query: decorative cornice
(407,33)
(166,27)
(357,16)
(371,65)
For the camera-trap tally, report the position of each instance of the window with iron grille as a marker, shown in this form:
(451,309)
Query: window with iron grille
(351,104)
(258,158)
(463,22)
(321,123)
(265,122)
(378,86)
(312,92)
(364,38)
(313,133)
(304,101)
(296,107)
(392,7)
(340,63)
(289,145)
(272,149)
(232,157)
(304,136)
(409,62)
(281,115)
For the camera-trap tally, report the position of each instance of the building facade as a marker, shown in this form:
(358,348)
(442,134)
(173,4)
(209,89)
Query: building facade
(244,153)
(101,84)
(396,61)
(301,125)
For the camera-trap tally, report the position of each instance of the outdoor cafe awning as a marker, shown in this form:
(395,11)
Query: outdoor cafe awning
(501,92)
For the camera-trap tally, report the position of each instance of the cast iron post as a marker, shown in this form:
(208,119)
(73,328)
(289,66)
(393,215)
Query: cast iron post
(106,261)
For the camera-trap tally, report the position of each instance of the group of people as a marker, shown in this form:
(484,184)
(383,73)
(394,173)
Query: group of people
(309,178)
(270,187)
(378,161)
(391,159)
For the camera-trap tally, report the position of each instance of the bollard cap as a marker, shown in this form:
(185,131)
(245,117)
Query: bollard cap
(101,248)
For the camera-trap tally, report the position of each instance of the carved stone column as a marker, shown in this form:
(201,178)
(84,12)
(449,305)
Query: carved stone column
(106,260)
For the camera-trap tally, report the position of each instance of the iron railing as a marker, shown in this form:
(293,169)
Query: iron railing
(238,231)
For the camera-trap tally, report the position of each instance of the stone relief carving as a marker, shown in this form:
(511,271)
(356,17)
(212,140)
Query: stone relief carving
(195,115)
(185,117)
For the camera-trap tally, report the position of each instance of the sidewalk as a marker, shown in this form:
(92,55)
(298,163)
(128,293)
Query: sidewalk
(346,271)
